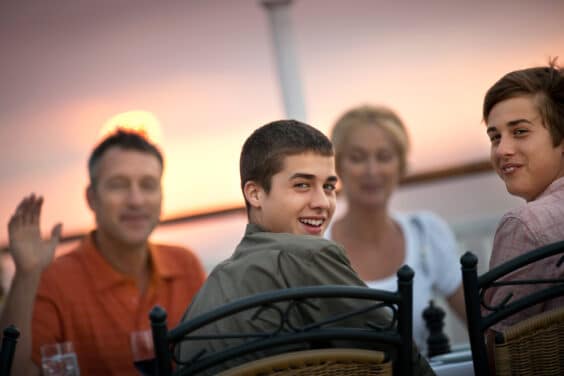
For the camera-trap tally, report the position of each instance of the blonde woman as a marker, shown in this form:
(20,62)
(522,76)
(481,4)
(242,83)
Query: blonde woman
(371,145)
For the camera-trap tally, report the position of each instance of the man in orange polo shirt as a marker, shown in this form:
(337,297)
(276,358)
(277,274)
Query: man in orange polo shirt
(98,294)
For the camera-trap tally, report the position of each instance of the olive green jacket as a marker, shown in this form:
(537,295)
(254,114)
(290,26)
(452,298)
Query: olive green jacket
(266,261)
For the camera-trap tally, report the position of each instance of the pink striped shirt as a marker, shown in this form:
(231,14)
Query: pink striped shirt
(539,222)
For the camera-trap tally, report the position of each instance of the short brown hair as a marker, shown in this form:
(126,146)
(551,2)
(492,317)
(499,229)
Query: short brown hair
(544,84)
(124,139)
(378,116)
(263,153)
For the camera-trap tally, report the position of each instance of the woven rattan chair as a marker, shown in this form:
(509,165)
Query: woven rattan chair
(532,347)
(326,362)
(538,340)
(395,340)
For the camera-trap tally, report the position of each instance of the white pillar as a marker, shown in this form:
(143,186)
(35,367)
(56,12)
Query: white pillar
(286,62)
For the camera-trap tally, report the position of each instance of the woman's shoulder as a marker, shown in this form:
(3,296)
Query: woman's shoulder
(430,234)
(424,220)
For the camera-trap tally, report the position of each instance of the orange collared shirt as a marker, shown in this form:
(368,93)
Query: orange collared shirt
(82,299)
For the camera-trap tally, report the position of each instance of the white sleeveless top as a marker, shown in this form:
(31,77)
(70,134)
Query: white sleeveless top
(431,251)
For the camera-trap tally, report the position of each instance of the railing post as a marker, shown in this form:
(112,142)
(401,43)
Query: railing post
(405,319)
(160,342)
(469,263)
(286,60)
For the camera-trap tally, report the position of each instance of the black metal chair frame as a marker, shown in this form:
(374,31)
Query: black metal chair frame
(396,338)
(475,288)
(9,341)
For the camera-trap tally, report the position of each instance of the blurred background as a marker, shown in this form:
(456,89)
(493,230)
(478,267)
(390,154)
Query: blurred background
(200,75)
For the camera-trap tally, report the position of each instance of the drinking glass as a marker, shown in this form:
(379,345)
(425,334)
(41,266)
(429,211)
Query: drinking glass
(143,351)
(59,359)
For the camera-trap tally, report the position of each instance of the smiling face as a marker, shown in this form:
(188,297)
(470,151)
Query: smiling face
(126,196)
(522,150)
(369,166)
(301,199)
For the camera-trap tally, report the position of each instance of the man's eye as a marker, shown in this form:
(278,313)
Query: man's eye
(330,187)
(301,185)
(520,132)
(494,138)
(118,184)
(149,185)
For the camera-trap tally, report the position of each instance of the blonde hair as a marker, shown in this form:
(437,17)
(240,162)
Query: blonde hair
(368,115)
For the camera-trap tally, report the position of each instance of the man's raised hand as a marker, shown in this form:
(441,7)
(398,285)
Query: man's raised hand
(29,251)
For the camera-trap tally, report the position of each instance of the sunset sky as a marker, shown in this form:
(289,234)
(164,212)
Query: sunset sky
(206,70)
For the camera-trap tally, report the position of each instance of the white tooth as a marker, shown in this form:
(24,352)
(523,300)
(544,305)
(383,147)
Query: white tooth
(312,222)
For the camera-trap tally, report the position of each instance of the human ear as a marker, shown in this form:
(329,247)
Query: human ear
(253,193)
(90,196)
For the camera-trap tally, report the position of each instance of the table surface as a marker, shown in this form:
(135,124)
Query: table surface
(464,368)
(455,363)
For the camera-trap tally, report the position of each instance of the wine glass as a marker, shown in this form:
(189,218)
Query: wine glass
(59,359)
(143,351)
